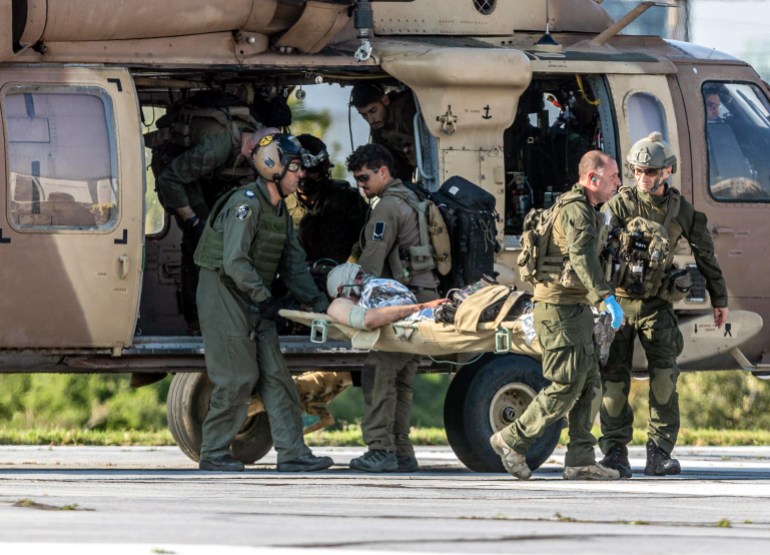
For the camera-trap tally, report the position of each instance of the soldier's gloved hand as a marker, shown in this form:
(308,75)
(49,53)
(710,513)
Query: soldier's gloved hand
(195,225)
(615,310)
(268,309)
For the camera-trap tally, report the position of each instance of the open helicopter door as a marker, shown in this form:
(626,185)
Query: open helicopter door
(71,220)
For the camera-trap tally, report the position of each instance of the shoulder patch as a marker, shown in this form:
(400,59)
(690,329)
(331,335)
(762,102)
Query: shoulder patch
(243,212)
(250,194)
(379,231)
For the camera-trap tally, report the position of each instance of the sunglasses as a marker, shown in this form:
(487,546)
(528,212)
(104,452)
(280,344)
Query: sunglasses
(649,172)
(364,177)
(293,167)
(712,105)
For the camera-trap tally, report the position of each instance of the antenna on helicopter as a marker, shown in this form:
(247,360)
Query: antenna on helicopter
(364,23)
(547,39)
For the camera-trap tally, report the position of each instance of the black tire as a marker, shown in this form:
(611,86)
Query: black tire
(186,407)
(254,440)
(454,413)
(486,397)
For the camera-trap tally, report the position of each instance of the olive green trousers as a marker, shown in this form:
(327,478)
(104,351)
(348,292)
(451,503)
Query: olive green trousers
(570,362)
(653,321)
(242,353)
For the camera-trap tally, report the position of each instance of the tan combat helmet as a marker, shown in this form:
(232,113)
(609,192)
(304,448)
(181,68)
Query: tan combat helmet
(652,152)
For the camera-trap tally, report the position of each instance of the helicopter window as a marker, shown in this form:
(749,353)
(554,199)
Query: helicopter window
(484,7)
(60,160)
(738,138)
(557,121)
(645,114)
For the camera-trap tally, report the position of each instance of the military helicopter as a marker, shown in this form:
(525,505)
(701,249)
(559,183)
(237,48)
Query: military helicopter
(510,94)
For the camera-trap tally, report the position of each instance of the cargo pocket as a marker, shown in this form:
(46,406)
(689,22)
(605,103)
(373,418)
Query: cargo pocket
(564,326)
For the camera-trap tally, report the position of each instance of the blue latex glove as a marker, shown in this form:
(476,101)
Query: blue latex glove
(615,310)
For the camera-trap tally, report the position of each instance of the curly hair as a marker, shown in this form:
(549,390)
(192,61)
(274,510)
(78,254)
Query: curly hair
(372,156)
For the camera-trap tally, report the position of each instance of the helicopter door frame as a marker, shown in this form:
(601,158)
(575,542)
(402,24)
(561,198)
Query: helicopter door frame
(71,216)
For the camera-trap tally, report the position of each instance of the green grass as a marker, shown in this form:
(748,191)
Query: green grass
(698,438)
(349,436)
(85,437)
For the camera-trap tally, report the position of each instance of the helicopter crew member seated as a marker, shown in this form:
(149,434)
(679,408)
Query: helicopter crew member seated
(248,241)
(662,215)
(391,119)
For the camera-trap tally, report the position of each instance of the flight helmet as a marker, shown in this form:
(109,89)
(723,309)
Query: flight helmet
(273,154)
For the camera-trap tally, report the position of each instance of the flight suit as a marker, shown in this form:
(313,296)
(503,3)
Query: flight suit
(564,325)
(654,321)
(331,226)
(196,178)
(397,134)
(247,242)
(387,377)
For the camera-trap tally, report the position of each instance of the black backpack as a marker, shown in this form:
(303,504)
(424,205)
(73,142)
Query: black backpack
(470,216)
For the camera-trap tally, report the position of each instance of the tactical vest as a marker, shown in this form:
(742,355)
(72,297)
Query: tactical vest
(265,251)
(535,265)
(643,253)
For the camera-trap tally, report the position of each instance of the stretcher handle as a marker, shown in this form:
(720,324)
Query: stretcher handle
(502,340)
(319,331)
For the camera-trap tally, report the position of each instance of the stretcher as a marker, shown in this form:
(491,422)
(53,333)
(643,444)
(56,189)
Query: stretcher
(427,337)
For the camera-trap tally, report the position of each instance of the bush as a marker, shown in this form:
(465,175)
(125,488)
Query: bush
(76,401)
(427,410)
(719,400)
(708,400)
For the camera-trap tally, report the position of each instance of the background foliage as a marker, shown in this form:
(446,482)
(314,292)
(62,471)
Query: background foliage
(708,400)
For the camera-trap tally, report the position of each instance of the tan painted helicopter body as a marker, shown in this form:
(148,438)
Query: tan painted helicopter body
(81,279)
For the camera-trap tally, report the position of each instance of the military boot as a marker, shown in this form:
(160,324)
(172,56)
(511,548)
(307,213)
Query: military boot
(594,471)
(660,463)
(515,463)
(305,463)
(223,463)
(376,460)
(407,463)
(617,458)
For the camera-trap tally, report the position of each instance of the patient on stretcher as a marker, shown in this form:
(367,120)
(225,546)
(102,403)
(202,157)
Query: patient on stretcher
(386,317)
(365,302)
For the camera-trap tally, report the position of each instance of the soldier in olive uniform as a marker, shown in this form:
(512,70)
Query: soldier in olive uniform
(191,183)
(391,119)
(247,242)
(564,324)
(387,378)
(328,214)
(650,315)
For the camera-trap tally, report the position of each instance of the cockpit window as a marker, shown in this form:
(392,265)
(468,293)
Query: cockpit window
(738,139)
(61,161)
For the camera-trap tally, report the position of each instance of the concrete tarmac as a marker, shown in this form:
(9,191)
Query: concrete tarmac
(154,500)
